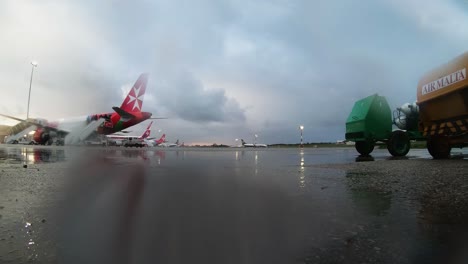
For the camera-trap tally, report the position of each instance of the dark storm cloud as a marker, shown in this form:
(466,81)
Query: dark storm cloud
(170,40)
(186,98)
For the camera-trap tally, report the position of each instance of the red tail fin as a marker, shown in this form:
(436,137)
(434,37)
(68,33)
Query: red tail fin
(147,131)
(149,126)
(162,139)
(134,100)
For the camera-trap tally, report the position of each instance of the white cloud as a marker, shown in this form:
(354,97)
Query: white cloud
(441,17)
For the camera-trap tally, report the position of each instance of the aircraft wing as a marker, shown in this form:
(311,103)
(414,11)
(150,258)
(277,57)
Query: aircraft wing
(14,118)
(34,122)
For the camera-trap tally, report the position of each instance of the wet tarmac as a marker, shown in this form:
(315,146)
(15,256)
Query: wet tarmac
(186,205)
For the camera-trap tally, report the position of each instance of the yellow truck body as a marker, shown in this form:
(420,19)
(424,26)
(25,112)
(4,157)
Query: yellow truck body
(442,97)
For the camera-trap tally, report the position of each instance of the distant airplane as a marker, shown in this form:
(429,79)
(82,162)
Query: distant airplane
(156,142)
(255,145)
(76,130)
(170,145)
(119,138)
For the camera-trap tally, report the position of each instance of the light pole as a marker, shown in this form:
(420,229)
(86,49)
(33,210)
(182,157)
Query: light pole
(255,139)
(301,127)
(34,65)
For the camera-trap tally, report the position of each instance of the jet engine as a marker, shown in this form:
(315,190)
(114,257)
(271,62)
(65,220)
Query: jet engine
(44,136)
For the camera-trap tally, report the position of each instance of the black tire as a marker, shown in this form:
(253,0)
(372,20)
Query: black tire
(364,147)
(399,144)
(439,147)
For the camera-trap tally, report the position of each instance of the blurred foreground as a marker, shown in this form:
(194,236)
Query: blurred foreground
(111,205)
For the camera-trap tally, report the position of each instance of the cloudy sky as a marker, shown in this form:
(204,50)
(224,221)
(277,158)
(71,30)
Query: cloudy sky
(221,70)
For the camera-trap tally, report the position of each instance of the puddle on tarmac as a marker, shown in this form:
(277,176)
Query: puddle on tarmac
(233,200)
(31,155)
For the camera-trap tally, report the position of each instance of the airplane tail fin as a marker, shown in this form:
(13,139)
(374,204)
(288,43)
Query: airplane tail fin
(147,132)
(162,139)
(134,100)
(149,126)
(243,142)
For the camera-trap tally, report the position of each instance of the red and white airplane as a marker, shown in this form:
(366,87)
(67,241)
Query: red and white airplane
(170,145)
(76,130)
(156,142)
(145,135)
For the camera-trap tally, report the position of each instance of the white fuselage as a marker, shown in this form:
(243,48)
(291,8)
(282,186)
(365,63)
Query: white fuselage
(250,145)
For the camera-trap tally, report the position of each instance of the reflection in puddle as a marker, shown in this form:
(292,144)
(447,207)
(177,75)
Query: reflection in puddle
(372,203)
(398,158)
(302,171)
(239,155)
(362,158)
(256,163)
(31,155)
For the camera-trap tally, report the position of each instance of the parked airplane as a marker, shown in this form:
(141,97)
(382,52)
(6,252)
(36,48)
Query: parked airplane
(255,145)
(156,142)
(117,138)
(170,145)
(78,129)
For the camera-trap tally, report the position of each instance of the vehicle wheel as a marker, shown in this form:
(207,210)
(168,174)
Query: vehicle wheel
(439,147)
(364,147)
(399,144)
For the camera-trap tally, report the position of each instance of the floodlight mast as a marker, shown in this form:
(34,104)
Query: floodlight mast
(34,65)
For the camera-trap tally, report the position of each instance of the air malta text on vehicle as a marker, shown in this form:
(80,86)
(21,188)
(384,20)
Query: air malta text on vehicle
(445,81)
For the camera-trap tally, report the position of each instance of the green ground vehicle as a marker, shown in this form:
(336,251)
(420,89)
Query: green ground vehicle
(370,122)
(440,115)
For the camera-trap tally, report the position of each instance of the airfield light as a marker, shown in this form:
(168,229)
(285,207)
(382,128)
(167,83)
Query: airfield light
(34,65)
(301,127)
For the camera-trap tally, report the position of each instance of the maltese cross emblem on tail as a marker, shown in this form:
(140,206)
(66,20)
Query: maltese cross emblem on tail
(134,100)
